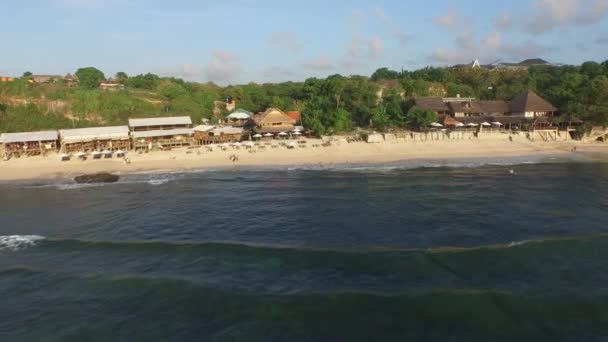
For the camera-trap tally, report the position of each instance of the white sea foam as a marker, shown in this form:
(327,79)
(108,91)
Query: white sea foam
(518,243)
(17,242)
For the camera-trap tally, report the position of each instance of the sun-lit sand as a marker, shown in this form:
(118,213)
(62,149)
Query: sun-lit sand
(493,146)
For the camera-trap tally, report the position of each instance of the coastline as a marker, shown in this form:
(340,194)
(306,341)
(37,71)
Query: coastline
(490,148)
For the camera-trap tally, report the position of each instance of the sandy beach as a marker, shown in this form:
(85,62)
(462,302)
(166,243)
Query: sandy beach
(491,146)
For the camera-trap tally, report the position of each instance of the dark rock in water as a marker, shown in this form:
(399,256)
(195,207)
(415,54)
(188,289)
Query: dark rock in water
(97,178)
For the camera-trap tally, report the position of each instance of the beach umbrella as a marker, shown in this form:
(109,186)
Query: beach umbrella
(96,153)
(296,130)
(297,133)
(257,135)
(460,124)
(472,125)
(80,154)
(485,124)
(282,133)
(268,135)
(496,123)
(436,124)
(106,152)
(237,144)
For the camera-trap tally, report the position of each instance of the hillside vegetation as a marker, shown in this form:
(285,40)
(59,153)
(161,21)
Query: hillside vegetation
(334,104)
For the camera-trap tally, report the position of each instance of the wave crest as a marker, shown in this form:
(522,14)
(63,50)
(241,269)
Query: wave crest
(17,242)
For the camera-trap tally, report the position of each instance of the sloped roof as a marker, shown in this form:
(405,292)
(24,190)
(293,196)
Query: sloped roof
(163,121)
(494,107)
(94,133)
(448,120)
(203,128)
(533,61)
(465,107)
(238,116)
(296,115)
(273,115)
(433,103)
(529,101)
(162,133)
(28,137)
(227,130)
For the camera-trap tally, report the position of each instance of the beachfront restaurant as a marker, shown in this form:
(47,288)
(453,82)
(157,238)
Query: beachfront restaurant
(209,134)
(93,139)
(163,139)
(28,143)
(162,123)
(239,118)
(273,122)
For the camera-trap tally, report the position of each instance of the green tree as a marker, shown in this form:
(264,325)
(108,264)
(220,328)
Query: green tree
(121,77)
(380,119)
(27,75)
(90,77)
(420,118)
(170,90)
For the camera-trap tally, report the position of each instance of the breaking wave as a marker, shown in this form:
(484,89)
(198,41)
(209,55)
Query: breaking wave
(17,242)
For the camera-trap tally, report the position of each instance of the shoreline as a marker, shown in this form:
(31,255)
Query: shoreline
(357,154)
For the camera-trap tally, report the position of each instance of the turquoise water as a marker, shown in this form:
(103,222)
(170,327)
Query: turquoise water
(442,253)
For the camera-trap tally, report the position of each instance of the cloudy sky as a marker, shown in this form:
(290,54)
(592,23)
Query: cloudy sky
(238,41)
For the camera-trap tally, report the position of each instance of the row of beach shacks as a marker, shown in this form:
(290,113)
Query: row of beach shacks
(148,133)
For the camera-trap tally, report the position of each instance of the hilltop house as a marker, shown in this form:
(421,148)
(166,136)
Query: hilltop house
(523,65)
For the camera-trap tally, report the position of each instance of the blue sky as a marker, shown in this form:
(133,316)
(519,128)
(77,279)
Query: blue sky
(238,41)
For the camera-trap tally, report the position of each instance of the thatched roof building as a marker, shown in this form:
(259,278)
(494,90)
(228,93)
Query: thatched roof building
(433,103)
(497,107)
(529,104)
(466,108)
(273,121)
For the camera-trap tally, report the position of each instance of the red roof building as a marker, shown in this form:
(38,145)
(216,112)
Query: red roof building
(297,116)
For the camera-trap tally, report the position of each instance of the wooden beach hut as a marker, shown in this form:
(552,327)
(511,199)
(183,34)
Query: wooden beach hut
(273,121)
(92,139)
(203,135)
(162,132)
(208,134)
(162,139)
(28,143)
(162,123)
(239,118)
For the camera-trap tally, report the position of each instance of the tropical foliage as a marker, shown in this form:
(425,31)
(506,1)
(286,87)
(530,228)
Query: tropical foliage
(331,105)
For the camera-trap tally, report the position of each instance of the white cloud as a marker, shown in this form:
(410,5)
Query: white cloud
(551,14)
(224,67)
(84,3)
(602,40)
(448,19)
(320,63)
(404,38)
(382,16)
(288,41)
(363,47)
(503,21)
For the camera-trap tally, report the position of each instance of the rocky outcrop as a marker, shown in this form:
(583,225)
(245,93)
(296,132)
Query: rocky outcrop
(97,178)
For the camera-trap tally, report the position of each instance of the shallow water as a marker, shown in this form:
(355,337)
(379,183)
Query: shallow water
(358,253)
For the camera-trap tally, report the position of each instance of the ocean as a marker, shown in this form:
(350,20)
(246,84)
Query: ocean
(387,253)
